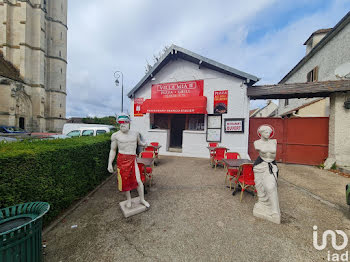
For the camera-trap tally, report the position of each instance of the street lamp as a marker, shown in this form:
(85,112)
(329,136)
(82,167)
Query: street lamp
(117,74)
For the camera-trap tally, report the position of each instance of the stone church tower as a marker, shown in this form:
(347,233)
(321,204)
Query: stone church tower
(33,38)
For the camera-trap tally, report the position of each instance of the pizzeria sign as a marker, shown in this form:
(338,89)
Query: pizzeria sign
(178,89)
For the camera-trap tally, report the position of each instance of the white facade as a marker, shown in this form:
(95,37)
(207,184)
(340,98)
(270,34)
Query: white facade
(194,142)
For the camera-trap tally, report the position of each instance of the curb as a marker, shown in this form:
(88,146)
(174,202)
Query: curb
(71,209)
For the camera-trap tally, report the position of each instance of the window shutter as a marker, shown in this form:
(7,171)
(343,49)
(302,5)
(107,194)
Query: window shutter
(316,73)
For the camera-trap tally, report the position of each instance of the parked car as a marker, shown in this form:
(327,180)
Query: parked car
(59,136)
(90,131)
(4,139)
(68,127)
(12,130)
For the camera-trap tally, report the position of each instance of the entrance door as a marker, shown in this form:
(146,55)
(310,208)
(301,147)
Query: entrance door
(21,122)
(178,123)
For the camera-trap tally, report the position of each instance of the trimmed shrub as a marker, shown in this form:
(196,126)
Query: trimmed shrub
(56,171)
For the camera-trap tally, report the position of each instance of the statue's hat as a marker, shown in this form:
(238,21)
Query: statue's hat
(123,118)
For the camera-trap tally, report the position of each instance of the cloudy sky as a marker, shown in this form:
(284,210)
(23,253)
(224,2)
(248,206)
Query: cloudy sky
(261,37)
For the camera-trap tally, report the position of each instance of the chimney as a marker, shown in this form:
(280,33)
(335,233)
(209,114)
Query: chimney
(315,38)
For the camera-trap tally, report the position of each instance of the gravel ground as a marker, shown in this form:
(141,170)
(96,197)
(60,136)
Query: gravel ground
(194,217)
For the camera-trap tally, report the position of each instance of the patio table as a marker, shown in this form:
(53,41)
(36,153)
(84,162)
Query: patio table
(146,161)
(235,163)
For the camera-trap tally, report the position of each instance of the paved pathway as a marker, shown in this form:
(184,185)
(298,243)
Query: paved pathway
(194,217)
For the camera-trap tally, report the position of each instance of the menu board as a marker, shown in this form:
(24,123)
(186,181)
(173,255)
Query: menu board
(214,135)
(214,121)
(214,128)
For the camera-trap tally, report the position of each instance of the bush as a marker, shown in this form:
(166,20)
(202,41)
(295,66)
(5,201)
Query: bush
(55,171)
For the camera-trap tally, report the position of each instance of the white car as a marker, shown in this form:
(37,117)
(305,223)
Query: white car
(90,131)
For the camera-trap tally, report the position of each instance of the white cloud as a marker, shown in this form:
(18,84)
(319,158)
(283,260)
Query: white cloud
(109,35)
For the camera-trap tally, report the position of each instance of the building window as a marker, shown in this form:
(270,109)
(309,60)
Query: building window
(312,76)
(160,121)
(286,102)
(59,53)
(195,122)
(60,87)
(61,35)
(61,71)
(60,105)
(60,115)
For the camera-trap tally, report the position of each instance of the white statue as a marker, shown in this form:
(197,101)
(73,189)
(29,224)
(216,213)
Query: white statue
(127,169)
(266,174)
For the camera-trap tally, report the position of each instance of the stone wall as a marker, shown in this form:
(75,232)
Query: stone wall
(33,37)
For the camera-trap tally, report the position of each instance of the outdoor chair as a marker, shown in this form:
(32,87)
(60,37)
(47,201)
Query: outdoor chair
(148,173)
(142,172)
(155,149)
(231,172)
(149,148)
(246,178)
(219,155)
(211,152)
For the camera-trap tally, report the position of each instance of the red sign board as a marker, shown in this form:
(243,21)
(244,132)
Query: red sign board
(220,102)
(137,106)
(178,89)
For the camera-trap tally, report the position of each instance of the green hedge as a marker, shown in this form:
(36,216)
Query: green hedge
(55,171)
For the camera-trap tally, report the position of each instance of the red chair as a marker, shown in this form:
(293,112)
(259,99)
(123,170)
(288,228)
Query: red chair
(142,171)
(246,178)
(155,149)
(232,172)
(219,155)
(149,148)
(148,173)
(211,152)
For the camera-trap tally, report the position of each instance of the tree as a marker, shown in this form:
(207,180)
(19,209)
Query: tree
(107,120)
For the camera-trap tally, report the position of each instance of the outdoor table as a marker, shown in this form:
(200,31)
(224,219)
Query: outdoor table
(146,161)
(235,163)
(155,147)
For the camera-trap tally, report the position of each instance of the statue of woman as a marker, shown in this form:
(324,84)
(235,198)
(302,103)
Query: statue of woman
(266,174)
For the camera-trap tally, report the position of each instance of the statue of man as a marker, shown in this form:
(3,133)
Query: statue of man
(128,171)
(265,176)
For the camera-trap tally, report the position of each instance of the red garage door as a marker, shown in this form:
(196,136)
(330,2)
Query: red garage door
(300,140)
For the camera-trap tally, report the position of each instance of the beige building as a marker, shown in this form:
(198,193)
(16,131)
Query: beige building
(33,39)
(270,110)
(327,58)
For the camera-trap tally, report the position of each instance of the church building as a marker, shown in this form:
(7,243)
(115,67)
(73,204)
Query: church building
(33,63)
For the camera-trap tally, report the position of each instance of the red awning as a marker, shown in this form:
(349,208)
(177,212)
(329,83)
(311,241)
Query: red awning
(177,105)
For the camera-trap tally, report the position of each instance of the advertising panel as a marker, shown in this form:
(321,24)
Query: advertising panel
(178,89)
(220,102)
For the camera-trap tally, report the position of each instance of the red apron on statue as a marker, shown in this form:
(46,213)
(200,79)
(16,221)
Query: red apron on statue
(126,172)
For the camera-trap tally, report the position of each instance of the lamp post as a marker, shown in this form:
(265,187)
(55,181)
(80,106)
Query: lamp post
(117,74)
